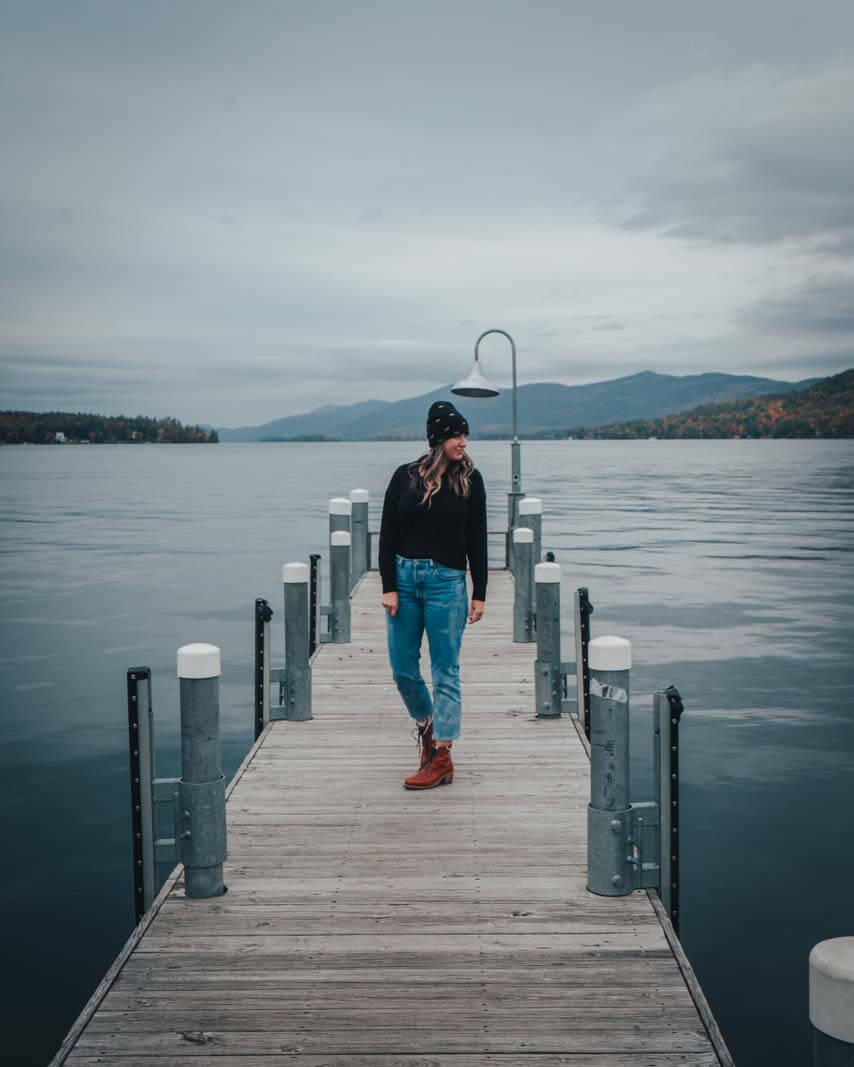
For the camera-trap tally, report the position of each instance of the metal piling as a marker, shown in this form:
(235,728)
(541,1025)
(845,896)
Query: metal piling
(200,824)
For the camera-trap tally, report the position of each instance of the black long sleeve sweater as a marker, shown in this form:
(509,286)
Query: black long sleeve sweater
(450,530)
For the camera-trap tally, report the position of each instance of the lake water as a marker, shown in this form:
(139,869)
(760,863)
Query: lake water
(727,564)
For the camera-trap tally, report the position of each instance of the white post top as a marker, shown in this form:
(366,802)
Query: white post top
(547,572)
(523,535)
(340,537)
(340,505)
(199,661)
(609,654)
(295,572)
(832,988)
(359,496)
(530,505)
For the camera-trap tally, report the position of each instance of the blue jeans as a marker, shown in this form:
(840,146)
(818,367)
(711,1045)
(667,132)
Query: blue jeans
(434,598)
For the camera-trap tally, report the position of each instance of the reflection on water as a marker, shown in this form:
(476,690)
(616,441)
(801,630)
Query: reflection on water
(726,563)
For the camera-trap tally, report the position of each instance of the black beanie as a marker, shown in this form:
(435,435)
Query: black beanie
(444,421)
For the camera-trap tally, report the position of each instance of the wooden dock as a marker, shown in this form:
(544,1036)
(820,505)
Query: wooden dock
(368,925)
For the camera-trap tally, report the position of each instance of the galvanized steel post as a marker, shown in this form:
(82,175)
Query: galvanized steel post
(548,683)
(831,995)
(339,596)
(523,542)
(609,815)
(296,688)
(531,515)
(359,499)
(200,821)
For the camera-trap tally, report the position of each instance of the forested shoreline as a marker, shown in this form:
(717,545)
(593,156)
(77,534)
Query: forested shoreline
(65,428)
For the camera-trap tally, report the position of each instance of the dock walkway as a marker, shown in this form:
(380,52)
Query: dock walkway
(368,925)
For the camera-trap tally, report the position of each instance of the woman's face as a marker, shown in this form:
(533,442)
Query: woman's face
(455,447)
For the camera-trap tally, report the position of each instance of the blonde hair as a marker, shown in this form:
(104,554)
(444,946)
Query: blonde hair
(425,474)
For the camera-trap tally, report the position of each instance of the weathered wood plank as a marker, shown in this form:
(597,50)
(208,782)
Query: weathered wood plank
(532,1059)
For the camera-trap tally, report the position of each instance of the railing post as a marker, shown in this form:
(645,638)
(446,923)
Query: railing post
(548,682)
(263,614)
(141,747)
(339,572)
(359,562)
(296,687)
(531,515)
(583,611)
(609,815)
(831,995)
(523,543)
(200,822)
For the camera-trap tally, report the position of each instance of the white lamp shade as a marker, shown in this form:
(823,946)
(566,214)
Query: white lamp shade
(475,384)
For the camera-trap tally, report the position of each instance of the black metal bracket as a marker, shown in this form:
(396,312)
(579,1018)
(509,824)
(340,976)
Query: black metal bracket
(263,614)
(677,707)
(313,596)
(134,675)
(585,611)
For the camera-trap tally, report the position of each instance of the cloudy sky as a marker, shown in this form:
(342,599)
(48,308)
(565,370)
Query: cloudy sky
(228,212)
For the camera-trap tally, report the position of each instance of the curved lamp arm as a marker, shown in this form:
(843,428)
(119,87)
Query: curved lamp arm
(504,333)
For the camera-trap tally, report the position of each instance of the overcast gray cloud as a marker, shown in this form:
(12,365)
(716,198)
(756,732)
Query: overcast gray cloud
(231,213)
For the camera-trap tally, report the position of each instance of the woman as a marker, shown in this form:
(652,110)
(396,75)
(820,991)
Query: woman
(434,517)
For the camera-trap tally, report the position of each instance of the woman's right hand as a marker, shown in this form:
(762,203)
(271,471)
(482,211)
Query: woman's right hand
(390,603)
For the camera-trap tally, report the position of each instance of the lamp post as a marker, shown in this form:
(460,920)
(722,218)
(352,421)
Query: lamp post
(476,385)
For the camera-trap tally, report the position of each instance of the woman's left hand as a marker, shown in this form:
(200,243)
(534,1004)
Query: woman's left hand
(476,611)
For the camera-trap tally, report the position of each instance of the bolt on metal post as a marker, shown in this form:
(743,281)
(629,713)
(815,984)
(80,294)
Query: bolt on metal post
(548,683)
(296,690)
(200,822)
(523,586)
(339,574)
(609,815)
(359,563)
(831,1000)
(531,515)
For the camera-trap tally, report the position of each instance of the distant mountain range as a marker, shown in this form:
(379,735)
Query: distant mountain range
(546,409)
(825,409)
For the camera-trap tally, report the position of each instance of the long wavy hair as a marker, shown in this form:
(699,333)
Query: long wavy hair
(425,476)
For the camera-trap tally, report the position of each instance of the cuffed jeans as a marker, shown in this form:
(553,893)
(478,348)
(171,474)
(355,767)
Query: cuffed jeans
(434,598)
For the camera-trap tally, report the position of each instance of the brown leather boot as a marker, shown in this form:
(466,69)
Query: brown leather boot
(439,771)
(425,744)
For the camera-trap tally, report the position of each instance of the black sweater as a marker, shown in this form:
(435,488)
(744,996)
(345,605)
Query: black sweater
(449,530)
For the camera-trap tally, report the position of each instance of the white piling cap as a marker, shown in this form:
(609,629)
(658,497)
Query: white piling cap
(340,505)
(523,535)
(295,572)
(340,537)
(199,661)
(547,572)
(530,505)
(832,988)
(609,654)
(359,496)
